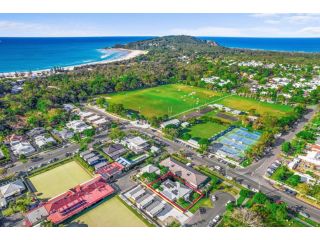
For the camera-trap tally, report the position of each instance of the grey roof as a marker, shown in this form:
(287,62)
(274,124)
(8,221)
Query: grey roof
(37,215)
(12,188)
(100,165)
(93,159)
(88,156)
(187,173)
(82,154)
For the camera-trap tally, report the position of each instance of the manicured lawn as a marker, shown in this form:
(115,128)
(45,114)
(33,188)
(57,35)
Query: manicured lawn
(58,180)
(206,130)
(245,104)
(167,99)
(111,213)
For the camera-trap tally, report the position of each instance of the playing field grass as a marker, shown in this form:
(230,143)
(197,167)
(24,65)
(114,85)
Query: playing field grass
(206,130)
(166,99)
(245,104)
(59,179)
(111,213)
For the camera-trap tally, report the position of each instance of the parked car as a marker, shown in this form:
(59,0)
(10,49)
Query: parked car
(304,214)
(213,198)
(290,192)
(217,168)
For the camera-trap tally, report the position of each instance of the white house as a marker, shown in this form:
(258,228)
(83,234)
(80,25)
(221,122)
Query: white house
(43,140)
(174,122)
(175,190)
(78,126)
(12,188)
(312,157)
(136,144)
(150,169)
(22,148)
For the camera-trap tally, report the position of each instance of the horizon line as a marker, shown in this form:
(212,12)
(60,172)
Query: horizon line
(109,36)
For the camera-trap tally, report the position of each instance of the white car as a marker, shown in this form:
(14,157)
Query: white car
(214,198)
(229,177)
(217,167)
(255,190)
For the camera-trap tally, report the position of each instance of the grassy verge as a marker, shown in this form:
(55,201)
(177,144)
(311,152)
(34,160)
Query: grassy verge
(308,220)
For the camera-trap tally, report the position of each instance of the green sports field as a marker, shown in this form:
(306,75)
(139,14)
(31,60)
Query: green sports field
(175,99)
(206,130)
(111,213)
(59,179)
(245,104)
(166,99)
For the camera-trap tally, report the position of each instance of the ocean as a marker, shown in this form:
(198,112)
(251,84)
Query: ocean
(309,45)
(31,54)
(25,54)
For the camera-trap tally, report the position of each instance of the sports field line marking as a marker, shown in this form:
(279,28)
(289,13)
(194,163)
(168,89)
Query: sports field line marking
(177,114)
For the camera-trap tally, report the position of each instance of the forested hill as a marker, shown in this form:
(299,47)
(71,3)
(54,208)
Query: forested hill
(169,42)
(183,45)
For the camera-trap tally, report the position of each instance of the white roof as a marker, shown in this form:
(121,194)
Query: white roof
(22,148)
(93,118)
(12,188)
(149,169)
(137,141)
(173,121)
(100,121)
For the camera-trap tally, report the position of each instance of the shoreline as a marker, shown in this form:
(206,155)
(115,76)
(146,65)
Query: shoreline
(130,55)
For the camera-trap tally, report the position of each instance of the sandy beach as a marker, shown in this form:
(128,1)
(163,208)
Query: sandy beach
(131,54)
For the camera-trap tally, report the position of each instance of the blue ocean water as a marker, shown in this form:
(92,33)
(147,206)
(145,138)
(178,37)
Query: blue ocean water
(309,45)
(25,54)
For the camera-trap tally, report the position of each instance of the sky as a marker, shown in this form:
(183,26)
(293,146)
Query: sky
(218,24)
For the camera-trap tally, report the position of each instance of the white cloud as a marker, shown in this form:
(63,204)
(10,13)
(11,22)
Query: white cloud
(230,32)
(208,31)
(314,31)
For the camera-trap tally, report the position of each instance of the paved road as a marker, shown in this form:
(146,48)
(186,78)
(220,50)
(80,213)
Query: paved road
(44,157)
(203,219)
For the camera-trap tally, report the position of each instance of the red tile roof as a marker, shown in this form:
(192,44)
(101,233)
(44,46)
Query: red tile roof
(111,169)
(76,199)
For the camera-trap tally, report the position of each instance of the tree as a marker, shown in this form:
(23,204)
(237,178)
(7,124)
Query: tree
(286,147)
(101,101)
(204,143)
(116,133)
(89,132)
(186,136)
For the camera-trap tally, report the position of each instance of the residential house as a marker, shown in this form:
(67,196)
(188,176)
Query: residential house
(190,175)
(174,122)
(44,140)
(175,190)
(136,144)
(115,150)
